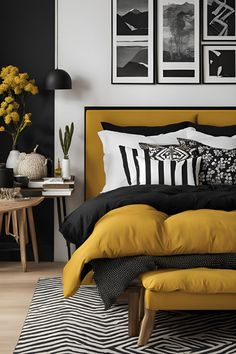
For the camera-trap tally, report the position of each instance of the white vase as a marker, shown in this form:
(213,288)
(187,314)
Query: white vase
(65,169)
(13,160)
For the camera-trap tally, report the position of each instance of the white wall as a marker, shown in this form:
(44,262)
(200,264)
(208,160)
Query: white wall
(85,52)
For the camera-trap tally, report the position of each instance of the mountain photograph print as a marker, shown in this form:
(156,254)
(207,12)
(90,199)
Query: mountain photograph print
(219,20)
(178,41)
(132,42)
(132,61)
(219,64)
(132,17)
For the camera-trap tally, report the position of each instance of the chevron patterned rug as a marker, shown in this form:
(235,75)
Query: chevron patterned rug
(80,325)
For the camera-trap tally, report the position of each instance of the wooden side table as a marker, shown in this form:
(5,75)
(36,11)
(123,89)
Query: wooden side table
(60,205)
(19,210)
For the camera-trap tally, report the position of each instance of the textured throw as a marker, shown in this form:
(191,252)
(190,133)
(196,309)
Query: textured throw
(80,325)
(113,276)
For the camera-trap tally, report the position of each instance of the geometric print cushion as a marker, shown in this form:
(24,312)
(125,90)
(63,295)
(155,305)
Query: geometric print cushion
(218,166)
(169,152)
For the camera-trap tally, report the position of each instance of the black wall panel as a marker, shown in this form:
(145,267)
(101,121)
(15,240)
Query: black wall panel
(27,40)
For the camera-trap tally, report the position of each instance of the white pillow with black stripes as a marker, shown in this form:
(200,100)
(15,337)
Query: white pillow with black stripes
(113,165)
(140,168)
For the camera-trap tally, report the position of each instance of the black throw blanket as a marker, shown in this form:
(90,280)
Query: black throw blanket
(169,199)
(113,276)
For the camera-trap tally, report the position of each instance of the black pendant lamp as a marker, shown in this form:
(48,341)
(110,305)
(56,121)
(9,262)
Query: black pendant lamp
(58,79)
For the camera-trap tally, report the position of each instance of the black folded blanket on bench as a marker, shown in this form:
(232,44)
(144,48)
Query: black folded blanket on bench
(113,276)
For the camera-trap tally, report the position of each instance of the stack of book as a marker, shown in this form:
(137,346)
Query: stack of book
(58,186)
(53,186)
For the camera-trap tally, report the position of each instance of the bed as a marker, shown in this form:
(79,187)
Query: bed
(95,178)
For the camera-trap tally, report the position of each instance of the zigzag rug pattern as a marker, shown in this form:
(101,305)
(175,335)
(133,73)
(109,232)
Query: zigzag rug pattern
(80,325)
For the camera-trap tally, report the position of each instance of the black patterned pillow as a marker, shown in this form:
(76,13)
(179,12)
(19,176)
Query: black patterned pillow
(169,152)
(218,165)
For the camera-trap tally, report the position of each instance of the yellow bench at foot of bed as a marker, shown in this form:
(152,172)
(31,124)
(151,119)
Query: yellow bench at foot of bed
(190,289)
(185,289)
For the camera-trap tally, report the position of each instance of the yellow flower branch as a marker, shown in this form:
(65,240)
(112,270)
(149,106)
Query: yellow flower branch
(13,87)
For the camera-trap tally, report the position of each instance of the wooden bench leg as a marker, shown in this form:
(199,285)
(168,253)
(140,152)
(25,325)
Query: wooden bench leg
(133,311)
(146,327)
(1,221)
(22,226)
(33,234)
(141,304)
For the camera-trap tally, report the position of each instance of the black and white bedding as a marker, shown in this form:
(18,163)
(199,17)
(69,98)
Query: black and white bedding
(162,139)
(154,170)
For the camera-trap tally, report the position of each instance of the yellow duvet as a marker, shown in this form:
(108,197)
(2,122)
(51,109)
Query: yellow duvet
(142,230)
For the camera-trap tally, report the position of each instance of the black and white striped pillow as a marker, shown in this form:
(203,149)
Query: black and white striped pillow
(141,169)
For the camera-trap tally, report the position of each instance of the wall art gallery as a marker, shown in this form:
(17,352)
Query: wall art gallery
(173,41)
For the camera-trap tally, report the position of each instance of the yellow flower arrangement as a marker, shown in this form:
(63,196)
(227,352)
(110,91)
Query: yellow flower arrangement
(14,86)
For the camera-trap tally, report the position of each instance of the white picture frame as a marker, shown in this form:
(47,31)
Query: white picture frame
(219,64)
(178,58)
(219,20)
(132,47)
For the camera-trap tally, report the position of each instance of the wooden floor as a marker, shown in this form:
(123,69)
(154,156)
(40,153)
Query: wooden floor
(16,291)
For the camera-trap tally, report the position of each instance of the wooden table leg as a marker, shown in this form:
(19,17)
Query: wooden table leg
(15,225)
(22,222)
(33,234)
(61,213)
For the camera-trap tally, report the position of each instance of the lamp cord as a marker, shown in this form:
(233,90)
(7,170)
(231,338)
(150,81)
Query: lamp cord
(57,34)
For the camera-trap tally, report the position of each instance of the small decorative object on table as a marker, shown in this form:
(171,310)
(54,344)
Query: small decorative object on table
(9,193)
(6,176)
(14,86)
(32,165)
(21,181)
(57,171)
(65,144)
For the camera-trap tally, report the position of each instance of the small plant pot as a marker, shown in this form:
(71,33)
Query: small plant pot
(65,169)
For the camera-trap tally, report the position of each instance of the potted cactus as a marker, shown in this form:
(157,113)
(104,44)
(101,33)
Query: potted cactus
(65,140)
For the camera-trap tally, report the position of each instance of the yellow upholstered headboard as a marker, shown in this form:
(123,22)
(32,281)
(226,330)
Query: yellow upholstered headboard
(148,116)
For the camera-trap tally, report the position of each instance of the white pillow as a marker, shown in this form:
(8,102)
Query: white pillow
(113,165)
(220,142)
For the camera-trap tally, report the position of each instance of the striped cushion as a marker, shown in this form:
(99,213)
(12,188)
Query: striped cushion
(141,169)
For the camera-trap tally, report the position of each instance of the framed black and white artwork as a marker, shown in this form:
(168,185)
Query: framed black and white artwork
(219,64)
(178,41)
(132,42)
(219,20)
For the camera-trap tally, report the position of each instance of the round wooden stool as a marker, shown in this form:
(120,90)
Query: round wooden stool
(18,210)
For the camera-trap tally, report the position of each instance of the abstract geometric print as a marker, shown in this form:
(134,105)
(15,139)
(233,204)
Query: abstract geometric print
(80,325)
(221,17)
(219,63)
